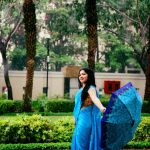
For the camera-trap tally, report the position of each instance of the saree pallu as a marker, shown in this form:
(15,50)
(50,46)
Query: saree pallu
(87,132)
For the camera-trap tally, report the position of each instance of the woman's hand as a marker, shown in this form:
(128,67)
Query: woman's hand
(103,109)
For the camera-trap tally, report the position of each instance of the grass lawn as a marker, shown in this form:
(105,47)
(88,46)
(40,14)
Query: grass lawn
(50,116)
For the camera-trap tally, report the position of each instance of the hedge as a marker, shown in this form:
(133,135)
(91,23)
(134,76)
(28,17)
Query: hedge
(35,129)
(52,105)
(25,129)
(62,130)
(62,146)
(58,105)
(6,106)
(36,146)
(139,145)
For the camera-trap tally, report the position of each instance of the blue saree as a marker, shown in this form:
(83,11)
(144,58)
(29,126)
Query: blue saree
(87,132)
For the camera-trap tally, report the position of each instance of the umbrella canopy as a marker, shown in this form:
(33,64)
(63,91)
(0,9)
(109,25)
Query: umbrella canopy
(122,116)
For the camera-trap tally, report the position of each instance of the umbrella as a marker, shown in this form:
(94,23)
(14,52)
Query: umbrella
(122,116)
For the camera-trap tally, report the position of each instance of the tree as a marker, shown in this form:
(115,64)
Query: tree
(30,34)
(129,21)
(147,73)
(18,59)
(4,40)
(65,43)
(63,29)
(118,56)
(91,16)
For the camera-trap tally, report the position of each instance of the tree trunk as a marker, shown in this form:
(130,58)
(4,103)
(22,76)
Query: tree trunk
(30,34)
(97,52)
(147,85)
(6,72)
(91,15)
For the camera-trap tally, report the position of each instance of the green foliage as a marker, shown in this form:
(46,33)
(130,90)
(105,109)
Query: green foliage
(59,61)
(60,146)
(9,16)
(79,10)
(3,96)
(62,21)
(40,58)
(18,59)
(99,67)
(42,97)
(6,106)
(43,104)
(67,26)
(66,96)
(126,19)
(38,113)
(40,104)
(25,130)
(36,146)
(55,105)
(60,106)
(138,145)
(84,64)
(18,40)
(18,106)
(143,130)
(64,42)
(105,97)
(118,55)
(143,5)
(62,130)
(146,106)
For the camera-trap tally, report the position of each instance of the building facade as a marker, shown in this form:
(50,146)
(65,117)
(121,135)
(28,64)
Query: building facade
(59,84)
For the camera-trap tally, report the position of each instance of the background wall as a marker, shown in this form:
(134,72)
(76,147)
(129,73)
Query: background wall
(57,82)
(18,79)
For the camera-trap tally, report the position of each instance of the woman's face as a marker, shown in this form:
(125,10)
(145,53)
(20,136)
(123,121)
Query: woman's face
(83,76)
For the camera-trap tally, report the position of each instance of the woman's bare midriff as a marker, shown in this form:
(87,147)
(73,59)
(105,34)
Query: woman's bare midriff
(87,102)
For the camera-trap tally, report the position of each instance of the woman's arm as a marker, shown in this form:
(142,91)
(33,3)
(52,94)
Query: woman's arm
(96,101)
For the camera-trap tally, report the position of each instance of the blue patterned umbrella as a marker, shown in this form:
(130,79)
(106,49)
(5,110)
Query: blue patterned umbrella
(122,116)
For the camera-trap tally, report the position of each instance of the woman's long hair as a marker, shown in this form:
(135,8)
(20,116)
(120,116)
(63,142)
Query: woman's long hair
(90,81)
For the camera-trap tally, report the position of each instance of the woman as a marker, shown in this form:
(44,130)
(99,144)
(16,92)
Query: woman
(87,114)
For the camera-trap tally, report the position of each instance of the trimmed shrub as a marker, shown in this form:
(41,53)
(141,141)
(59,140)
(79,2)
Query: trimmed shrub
(146,107)
(26,129)
(40,103)
(18,106)
(6,106)
(36,146)
(143,130)
(43,104)
(60,106)
(62,131)
(61,146)
(53,105)
(139,145)
(3,96)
